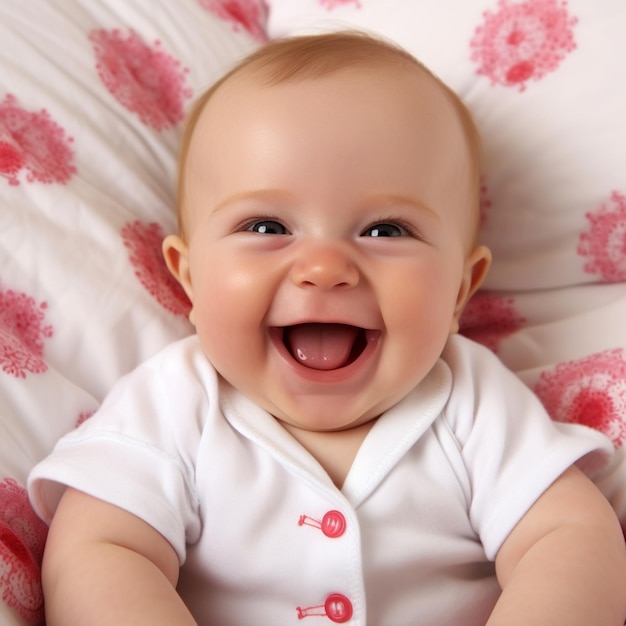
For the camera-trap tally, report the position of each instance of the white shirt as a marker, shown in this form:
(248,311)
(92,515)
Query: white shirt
(265,537)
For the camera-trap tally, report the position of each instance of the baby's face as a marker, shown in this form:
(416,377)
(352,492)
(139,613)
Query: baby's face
(329,251)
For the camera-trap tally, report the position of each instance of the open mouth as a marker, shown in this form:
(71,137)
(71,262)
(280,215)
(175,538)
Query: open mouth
(325,346)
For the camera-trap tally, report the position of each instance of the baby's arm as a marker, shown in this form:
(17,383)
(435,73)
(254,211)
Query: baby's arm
(103,565)
(565,562)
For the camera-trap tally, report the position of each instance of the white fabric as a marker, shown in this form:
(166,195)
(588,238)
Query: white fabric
(456,463)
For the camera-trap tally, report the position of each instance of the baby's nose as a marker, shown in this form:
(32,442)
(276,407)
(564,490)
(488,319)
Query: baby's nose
(326,267)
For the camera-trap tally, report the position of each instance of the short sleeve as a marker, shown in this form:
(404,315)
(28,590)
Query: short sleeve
(512,451)
(139,450)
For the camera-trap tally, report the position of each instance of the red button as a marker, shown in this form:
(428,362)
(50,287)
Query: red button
(333,524)
(338,608)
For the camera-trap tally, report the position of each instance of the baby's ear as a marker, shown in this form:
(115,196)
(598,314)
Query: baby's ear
(176,254)
(477,265)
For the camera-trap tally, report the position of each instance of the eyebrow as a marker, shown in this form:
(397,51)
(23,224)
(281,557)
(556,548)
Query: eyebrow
(267,195)
(282,196)
(398,198)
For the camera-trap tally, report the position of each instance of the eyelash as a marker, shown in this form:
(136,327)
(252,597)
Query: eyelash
(248,224)
(408,230)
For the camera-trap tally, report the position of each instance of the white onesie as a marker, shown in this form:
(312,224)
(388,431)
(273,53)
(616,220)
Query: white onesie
(263,535)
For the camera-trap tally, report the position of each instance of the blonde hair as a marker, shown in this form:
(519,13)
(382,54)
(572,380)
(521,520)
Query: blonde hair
(315,56)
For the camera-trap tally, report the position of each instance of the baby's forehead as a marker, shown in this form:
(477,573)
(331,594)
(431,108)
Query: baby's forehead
(395,76)
(392,95)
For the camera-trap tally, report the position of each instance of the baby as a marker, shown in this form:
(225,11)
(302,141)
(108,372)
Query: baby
(326,448)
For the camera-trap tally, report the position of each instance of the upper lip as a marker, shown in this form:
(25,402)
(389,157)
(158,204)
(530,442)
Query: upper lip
(323,320)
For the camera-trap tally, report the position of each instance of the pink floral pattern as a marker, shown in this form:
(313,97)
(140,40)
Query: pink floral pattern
(523,41)
(23,332)
(589,391)
(32,142)
(22,539)
(143,242)
(251,15)
(488,319)
(604,244)
(145,80)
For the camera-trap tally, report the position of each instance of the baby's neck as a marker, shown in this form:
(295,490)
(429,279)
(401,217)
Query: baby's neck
(334,451)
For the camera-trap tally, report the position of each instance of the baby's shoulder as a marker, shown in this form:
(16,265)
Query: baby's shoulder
(471,362)
(484,391)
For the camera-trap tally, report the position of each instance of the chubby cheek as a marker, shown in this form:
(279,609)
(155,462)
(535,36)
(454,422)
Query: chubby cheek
(418,311)
(228,315)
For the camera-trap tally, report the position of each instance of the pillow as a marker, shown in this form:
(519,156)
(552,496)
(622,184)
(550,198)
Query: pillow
(92,94)
(545,82)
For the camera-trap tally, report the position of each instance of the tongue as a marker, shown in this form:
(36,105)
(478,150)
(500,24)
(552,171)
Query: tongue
(321,346)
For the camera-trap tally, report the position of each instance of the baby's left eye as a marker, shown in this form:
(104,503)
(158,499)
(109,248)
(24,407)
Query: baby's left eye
(385,230)
(267,227)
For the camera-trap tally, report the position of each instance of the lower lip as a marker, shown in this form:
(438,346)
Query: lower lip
(343,374)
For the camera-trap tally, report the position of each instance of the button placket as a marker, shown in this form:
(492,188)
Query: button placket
(337,607)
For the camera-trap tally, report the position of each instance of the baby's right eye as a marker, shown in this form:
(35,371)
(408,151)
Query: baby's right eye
(267,227)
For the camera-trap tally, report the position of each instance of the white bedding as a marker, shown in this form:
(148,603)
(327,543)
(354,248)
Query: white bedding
(92,95)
